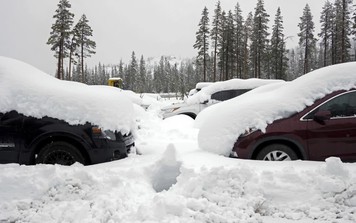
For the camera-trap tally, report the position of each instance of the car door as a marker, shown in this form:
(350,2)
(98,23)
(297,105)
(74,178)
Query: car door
(334,136)
(10,128)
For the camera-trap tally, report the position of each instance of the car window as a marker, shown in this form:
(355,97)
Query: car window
(341,106)
(228,94)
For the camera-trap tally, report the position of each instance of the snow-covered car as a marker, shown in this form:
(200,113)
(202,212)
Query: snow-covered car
(46,120)
(213,93)
(310,118)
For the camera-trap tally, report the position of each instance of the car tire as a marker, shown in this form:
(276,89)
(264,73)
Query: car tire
(277,152)
(61,153)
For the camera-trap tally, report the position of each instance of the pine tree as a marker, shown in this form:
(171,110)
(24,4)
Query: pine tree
(216,29)
(60,35)
(343,30)
(247,32)
(326,22)
(259,40)
(202,42)
(132,73)
(239,40)
(83,33)
(306,38)
(278,48)
(142,83)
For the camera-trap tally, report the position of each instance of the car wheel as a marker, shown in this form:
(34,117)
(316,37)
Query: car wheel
(277,152)
(61,153)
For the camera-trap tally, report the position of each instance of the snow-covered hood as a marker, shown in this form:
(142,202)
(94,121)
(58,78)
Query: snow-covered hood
(34,93)
(260,107)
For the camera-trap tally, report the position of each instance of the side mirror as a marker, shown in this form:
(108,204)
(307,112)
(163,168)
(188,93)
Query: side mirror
(321,116)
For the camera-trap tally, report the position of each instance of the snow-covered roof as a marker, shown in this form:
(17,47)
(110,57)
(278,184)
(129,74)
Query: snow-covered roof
(220,125)
(34,93)
(209,89)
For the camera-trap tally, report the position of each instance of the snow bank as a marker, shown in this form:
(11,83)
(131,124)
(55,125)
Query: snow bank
(34,93)
(116,192)
(208,89)
(220,125)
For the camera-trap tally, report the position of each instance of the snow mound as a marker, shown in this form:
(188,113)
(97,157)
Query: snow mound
(166,170)
(220,125)
(34,93)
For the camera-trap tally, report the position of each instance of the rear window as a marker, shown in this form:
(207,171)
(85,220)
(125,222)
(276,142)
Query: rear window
(228,94)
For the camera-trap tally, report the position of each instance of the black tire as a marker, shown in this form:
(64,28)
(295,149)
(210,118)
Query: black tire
(277,152)
(61,153)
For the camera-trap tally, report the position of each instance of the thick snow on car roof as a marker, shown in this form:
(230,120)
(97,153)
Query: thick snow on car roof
(221,125)
(34,93)
(206,92)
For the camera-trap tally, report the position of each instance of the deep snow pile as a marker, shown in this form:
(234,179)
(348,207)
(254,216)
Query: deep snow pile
(174,181)
(207,89)
(260,107)
(34,93)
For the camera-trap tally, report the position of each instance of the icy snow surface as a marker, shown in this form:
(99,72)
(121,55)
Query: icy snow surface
(34,93)
(175,181)
(222,124)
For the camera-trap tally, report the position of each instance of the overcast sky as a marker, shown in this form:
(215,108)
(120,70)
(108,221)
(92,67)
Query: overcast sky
(151,28)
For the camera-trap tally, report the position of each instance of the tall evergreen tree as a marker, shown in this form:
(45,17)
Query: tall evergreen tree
(86,45)
(202,42)
(239,40)
(142,83)
(247,32)
(132,73)
(60,35)
(306,38)
(278,48)
(259,40)
(326,22)
(215,30)
(343,30)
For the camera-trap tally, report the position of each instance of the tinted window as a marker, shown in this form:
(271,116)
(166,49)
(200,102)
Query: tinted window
(341,106)
(228,94)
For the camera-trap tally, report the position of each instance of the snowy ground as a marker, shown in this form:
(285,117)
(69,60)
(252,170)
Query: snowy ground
(174,181)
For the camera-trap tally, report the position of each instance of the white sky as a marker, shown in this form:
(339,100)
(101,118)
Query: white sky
(151,28)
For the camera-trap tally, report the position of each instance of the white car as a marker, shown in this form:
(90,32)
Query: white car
(213,93)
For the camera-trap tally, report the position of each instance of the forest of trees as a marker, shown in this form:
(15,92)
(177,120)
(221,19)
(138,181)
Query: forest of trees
(228,46)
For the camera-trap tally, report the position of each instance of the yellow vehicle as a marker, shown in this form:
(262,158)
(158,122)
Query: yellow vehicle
(115,82)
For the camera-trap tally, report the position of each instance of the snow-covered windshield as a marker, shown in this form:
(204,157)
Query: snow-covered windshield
(34,93)
(221,125)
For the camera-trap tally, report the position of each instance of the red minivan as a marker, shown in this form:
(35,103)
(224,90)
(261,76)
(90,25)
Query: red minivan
(326,128)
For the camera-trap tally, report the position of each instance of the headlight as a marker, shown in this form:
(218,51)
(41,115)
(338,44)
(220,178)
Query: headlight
(107,134)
